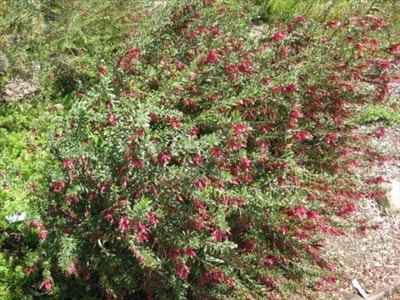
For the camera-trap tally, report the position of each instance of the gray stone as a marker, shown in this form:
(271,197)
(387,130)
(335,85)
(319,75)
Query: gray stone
(391,200)
(18,89)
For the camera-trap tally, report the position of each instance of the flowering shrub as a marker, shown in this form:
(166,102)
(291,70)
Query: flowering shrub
(206,166)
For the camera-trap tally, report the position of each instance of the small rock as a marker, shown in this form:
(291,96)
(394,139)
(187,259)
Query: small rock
(391,200)
(257,32)
(18,89)
(16,218)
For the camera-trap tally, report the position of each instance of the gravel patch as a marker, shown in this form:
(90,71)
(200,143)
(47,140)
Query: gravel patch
(372,259)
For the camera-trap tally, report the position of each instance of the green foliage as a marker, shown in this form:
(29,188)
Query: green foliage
(380,113)
(24,160)
(272,10)
(61,43)
(204,164)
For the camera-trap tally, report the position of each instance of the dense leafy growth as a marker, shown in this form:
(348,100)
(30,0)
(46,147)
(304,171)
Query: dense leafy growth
(200,162)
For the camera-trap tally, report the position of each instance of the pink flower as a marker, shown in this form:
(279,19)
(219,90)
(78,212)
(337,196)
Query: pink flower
(312,215)
(266,80)
(180,65)
(212,57)
(190,252)
(58,186)
(141,232)
(302,234)
(73,269)
(302,136)
(246,163)
(164,157)
(183,271)
(102,70)
(380,133)
(331,230)
(43,234)
(152,218)
(385,64)
(298,212)
(360,47)
(35,224)
(112,119)
(47,285)
(174,123)
(29,270)
(201,184)
(174,254)
(249,246)
(197,159)
(68,164)
(216,152)
(299,19)
(239,128)
(334,24)
(194,131)
(330,279)
(270,260)
(347,210)
(215,31)
(279,36)
(124,224)
(330,138)
(109,215)
(296,114)
(218,235)
(290,88)
(134,53)
(265,128)
(394,49)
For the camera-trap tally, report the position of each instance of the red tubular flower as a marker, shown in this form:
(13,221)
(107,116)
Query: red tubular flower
(296,114)
(266,80)
(164,157)
(194,131)
(43,234)
(279,36)
(124,224)
(152,218)
(183,271)
(58,186)
(330,138)
(134,53)
(239,128)
(47,285)
(290,88)
(394,49)
(141,232)
(102,70)
(302,136)
(112,119)
(197,159)
(211,58)
(380,133)
(271,260)
(174,122)
(68,164)
(297,212)
(190,252)
(218,235)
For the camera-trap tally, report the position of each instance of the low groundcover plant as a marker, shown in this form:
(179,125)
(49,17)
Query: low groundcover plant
(206,165)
